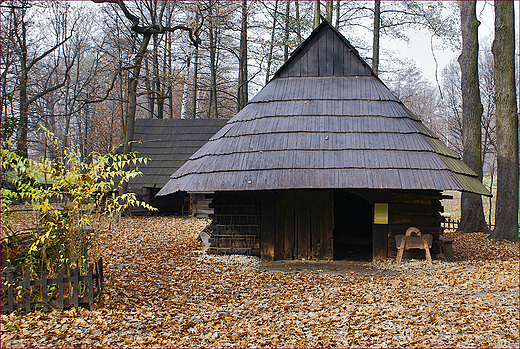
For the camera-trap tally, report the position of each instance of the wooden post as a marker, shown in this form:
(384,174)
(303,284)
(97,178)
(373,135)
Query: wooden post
(90,282)
(99,267)
(75,287)
(380,232)
(44,291)
(400,251)
(61,286)
(27,286)
(10,298)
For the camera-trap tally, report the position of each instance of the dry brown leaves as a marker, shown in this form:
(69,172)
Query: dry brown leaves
(161,293)
(473,246)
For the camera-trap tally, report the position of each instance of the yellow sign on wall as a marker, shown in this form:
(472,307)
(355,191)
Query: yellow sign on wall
(380,213)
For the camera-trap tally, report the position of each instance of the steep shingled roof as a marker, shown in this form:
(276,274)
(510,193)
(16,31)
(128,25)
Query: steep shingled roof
(325,120)
(169,143)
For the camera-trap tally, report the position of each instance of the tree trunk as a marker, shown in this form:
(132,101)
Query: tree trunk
(298,22)
(147,84)
(213,69)
(338,7)
(23,123)
(185,90)
(271,45)
(242,65)
(286,34)
(506,218)
(472,215)
(132,96)
(316,13)
(195,81)
(375,43)
(329,11)
(159,97)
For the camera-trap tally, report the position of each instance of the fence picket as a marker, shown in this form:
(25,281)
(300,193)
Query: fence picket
(90,287)
(75,287)
(61,286)
(45,290)
(10,298)
(27,286)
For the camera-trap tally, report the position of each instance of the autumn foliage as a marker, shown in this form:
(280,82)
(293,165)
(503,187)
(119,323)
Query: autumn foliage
(163,291)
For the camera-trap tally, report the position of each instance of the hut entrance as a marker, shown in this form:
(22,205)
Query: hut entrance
(303,224)
(352,227)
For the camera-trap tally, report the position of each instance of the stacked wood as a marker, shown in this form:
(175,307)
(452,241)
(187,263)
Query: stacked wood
(235,227)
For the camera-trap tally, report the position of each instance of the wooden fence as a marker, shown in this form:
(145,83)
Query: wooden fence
(453,224)
(450,224)
(92,287)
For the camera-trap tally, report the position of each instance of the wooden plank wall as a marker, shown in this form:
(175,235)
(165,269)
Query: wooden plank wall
(303,225)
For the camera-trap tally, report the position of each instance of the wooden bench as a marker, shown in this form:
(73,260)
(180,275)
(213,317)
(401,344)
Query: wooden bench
(413,239)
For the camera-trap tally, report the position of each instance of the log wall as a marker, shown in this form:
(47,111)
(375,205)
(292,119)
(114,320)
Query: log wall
(414,209)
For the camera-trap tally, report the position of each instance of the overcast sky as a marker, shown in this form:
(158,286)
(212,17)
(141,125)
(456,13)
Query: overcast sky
(419,48)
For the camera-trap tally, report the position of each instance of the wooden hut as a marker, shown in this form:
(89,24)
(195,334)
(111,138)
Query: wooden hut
(324,162)
(169,143)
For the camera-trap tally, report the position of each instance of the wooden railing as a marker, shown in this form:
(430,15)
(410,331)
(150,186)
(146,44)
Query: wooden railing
(450,224)
(85,288)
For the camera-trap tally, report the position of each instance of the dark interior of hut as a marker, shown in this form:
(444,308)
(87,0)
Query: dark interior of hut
(352,227)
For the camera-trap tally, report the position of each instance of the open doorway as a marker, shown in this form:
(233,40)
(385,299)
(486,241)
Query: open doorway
(352,227)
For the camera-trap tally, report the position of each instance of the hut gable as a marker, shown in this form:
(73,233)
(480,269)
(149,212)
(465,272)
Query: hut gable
(325,53)
(325,121)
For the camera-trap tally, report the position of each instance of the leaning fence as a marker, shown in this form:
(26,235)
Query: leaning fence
(83,290)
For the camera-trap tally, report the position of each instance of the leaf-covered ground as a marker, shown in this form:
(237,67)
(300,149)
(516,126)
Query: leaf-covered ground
(161,291)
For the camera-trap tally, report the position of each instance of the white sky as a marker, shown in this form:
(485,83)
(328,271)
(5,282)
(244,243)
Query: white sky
(419,48)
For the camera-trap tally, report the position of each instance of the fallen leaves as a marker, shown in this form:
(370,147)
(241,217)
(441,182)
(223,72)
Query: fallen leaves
(467,246)
(162,291)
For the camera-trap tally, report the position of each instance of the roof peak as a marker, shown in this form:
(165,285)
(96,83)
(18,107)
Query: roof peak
(326,52)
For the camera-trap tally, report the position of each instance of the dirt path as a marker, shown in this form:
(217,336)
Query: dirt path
(162,291)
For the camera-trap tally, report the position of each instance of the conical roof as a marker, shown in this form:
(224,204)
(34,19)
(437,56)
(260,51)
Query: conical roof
(325,120)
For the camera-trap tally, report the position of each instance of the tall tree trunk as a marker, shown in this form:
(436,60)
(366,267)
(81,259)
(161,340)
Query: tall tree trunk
(375,43)
(286,34)
(149,88)
(195,82)
(329,11)
(185,90)
(271,44)
(242,65)
(213,70)
(128,132)
(338,7)
(298,22)
(159,97)
(23,123)
(506,218)
(316,13)
(472,215)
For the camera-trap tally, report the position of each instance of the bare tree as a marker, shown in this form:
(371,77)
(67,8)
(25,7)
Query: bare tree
(153,26)
(28,58)
(472,211)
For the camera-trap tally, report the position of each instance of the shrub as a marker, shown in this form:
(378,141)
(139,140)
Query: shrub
(75,202)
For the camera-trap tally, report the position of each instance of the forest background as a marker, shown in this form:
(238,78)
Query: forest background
(78,68)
